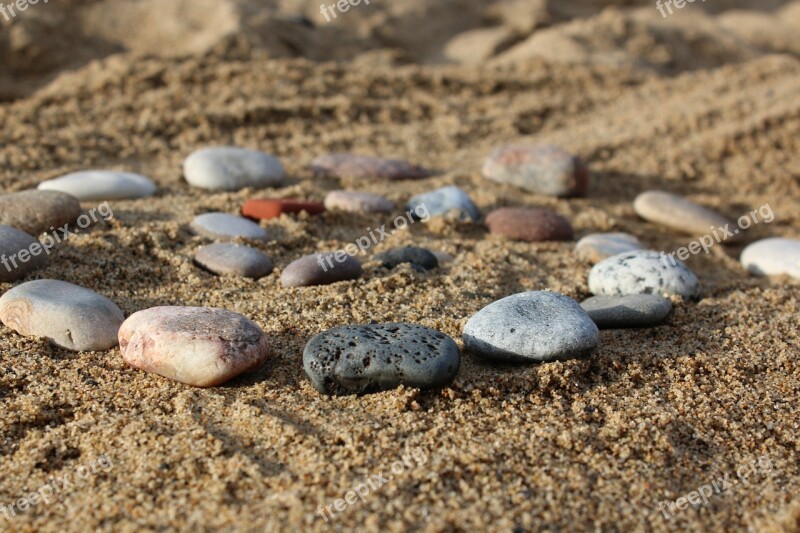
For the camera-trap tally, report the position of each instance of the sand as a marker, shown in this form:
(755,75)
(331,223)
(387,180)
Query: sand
(704,104)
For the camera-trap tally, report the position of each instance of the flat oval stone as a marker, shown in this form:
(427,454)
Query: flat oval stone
(266,209)
(199,346)
(98,185)
(449,201)
(20,254)
(531,326)
(36,212)
(321,269)
(420,258)
(70,316)
(529,224)
(227,227)
(631,311)
(678,213)
(357,202)
(643,272)
(365,166)
(773,257)
(379,357)
(228,168)
(443,257)
(599,246)
(236,259)
(542,169)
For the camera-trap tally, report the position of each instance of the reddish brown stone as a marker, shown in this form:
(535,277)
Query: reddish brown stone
(265,208)
(530,224)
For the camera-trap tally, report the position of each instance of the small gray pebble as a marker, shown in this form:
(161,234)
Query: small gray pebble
(236,259)
(20,254)
(321,269)
(420,258)
(644,272)
(227,227)
(449,200)
(632,311)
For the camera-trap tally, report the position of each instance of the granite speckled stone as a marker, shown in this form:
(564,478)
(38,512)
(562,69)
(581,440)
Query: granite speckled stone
(530,224)
(235,259)
(228,168)
(227,227)
(599,246)
(346,165)
(20,254)
(643,272)
(773,257)
(35,212)
(321,269)
(99,185)
(542,169)
(632,311)
(448,201)
(420,258)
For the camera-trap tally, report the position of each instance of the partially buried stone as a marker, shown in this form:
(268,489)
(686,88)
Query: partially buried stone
(632,311)
(36,212)
(227,227)
(365,167)
(529,224)
(200,346)
(599,246)
(377,357)
(321,269)
(542,169)
(20,254)
(101,185)
(446,201)
(228,168)
(644,272)
(239,260)
(420,258)
(678,213)
(266,209)
(773,257)
(70,316)
(357,202)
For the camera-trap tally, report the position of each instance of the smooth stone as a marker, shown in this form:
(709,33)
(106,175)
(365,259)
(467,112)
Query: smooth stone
(631,311)
(678,213)
(643,272)
(531,326)
(420,258)
(12,242)
(227,227)
(266,209)
(378,357)
(36,212)
(542,169)
(199,346)
(357,202)
(365,166)
(773,257)
(321,269)
(228,168)
(599,246)
(99,185)
(530,224)
(443,257)
(70,316)
(236,259)
(450,201)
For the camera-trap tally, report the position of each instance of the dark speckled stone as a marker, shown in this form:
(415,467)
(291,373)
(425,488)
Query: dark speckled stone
(420,258)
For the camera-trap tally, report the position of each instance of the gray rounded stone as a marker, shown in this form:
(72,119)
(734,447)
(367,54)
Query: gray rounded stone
(321,269)
(773,257)
(531,326)
(99,185)
(420,258)
(643,272)
(542,169)
(223,226)
(680,214)
(599,246)
(345,165)
(236,259)
(228,168)
(70,316)
(36,212)
(377,357)
(632,311)
(446,201)
(20,254)
(357,202)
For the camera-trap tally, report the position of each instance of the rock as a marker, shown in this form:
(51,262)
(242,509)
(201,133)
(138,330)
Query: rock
(20,254)
(477,45)
(773,257)
(70,316)
(443,257)
(678,213)
(450,201)
(239,260)
(266,209)
(643,272)
(227,168)
(357,202)
(321,269)
(599,246)
(632,311)
(200,346)
(227,227)
(378,357)
(542,169)
(366,167)
(531,326)
(35,212)
(529,224)
(99,185)
(420,258)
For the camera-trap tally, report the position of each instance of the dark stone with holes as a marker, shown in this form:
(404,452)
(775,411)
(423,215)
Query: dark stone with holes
(378,357)
(420,258)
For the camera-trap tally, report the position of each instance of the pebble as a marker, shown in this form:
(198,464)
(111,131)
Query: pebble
(599,246)
(529,224)
(531,326)
(20,254)
(321,269)
(631,311)
(358,202)
(773,257)
(365,167)
(379,357)
(35,212)
(266,209)
(239,260)
(443,257)
(420,258)
(643,272)
(227,227)
(227,168)
(199,346)
(99,185)
(542,169)
(678,213)
(447,201)
(70,316)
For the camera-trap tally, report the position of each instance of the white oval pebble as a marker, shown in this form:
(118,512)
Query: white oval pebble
(99,185)
(599,246)
(227,168)
(680,214)
(773,257)
(643,272)
(227,227)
